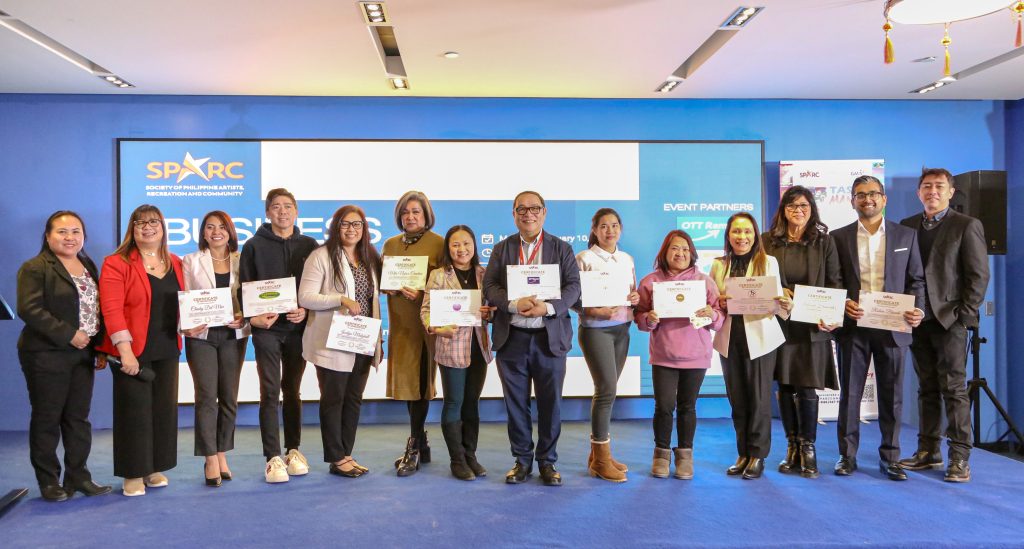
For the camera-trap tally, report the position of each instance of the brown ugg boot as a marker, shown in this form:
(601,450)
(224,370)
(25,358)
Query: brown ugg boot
(601,467)
(684,463)
(662,459)
(615,463)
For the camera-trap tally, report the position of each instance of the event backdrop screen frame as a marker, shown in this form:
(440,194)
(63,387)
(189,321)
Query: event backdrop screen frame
(655,186)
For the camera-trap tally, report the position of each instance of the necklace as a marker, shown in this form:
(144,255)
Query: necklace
(227,257)
(153,267)
(148,254)
(464,280)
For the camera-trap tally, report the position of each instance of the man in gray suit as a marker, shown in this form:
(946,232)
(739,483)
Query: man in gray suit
(875,255)
(956,276)
(531,338)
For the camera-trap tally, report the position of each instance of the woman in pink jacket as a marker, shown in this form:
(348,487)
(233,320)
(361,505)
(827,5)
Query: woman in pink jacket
(680,353)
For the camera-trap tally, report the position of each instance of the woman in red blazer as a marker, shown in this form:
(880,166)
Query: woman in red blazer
(139,287)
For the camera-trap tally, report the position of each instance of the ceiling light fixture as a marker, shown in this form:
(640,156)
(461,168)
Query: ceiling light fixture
(115,81)
(741,17)
(374,13)
(667,86)
(451,54)
(400,84)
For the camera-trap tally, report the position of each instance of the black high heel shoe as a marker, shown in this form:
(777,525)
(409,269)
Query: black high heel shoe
(211,482)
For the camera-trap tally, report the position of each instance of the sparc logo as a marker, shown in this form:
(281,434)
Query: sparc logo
(201,167)
(810,174)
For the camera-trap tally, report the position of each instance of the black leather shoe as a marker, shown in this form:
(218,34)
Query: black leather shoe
(53,492)
(738,467)
(846,466)
(922,460)
(755,466)
(88,488)
(808,460)
(409,463)
(549,475)
(518,474)
(478,469)
(461,471)
(791,463)
(958,471)
(354,472)
(892,470)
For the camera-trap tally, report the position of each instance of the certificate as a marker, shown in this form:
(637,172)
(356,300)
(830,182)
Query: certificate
(812,304)
(454,308)
(408,271)
(212,307)
(354,334)
(605,288)
(542,281)
(679,298)
(269,296)
(752,295)
(885,311)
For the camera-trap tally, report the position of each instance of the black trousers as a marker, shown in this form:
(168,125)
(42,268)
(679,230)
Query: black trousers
(526,359)
(675,389)
(60,391)
(748,384)
(146,420)
(856,350)
(341,399)
(280,366)
(940,360)
(216,365)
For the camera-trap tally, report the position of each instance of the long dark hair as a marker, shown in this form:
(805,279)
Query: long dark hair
(365,251)
(128,245)
(660,263)
(597,219)
(759,259)
(49,227)
(228,224)
(446,256)
(815,228)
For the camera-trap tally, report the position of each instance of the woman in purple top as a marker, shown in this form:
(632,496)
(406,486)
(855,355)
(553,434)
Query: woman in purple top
(680,353)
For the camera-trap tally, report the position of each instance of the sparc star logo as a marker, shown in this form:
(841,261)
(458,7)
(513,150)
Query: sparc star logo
(191,166)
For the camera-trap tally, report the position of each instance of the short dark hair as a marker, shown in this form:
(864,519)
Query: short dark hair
(274,193)
(925,172)
(49,227)
(446,255)
(534,193)
(660,263)
(418,196)
(864,180)
(228,224)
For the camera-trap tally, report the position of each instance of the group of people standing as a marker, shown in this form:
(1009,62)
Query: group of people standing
(78,319)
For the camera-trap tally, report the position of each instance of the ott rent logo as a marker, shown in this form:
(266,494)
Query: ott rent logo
(202,167)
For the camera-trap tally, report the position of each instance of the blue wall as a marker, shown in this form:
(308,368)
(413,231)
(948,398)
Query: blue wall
(1015,259)
(57,151)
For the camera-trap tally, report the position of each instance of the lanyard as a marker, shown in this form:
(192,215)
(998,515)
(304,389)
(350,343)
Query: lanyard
(533,254)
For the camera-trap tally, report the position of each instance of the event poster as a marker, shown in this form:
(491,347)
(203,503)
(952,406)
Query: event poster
(655,187)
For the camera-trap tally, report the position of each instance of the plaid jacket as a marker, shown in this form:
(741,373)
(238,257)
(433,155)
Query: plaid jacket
(454,352)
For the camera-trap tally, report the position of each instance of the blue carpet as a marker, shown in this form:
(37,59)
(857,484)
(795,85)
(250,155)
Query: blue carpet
(431,509)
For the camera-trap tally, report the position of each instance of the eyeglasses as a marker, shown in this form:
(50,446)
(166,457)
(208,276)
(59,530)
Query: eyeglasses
(143,222)
(535,210)
(873,195)
(353,224)
(798,207)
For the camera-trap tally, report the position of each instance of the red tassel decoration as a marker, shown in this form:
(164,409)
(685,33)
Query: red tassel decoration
(1018,8)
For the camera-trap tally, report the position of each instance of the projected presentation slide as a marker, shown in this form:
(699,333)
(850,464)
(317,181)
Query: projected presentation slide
(655,186)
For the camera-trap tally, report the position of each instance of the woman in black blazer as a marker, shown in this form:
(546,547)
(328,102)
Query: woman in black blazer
(807,255)
(58,300)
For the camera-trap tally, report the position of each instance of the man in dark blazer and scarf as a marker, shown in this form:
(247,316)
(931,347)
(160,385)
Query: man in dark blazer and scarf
(531,338)
(875,255)
(956,276)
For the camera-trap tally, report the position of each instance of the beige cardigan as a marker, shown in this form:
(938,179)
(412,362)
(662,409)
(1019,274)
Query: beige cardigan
(197,268)
(764,334)
(320,296)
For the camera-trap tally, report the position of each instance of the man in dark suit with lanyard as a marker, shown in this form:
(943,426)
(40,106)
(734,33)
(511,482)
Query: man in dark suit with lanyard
(531,338)
(956,276)
(875,255)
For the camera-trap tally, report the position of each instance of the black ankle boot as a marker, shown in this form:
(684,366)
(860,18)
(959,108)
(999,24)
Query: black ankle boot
(424,448)
(791,424)
(453,438)
(808,410)
(409,463)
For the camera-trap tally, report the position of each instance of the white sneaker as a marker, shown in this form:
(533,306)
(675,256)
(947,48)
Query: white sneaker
(297,464)
(276,470)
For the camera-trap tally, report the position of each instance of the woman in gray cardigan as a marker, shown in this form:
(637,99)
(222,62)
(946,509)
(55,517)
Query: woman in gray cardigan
(340,277)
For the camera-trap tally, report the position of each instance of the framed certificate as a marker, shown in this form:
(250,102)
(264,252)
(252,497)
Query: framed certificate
(812,304)
(455,308)
(354,334)
(605,288)
(884,311)
(752,295)
(679,298)
(403,272)
(543,281)
(269,296)
(212,307)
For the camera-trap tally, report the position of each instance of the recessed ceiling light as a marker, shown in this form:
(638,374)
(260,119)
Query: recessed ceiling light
(928,59)
(741,17)
(399,83)
(451,54)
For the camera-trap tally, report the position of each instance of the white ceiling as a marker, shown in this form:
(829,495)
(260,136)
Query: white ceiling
(824,49)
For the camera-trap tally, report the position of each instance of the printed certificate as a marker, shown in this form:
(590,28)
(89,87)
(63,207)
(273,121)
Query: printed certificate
(605,288)
(212,307)
(354,334)
(752,295)
(812,304)
(679,298)
(884,311)
(543,281)
(455,308)
(408,271)
(269,296)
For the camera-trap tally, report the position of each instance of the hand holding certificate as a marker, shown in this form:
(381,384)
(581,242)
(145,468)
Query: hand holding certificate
(354,334)
(542,281)
(884,311)
(269,296)
(403,272)
(752,295)
(605,288)
(818,305)
(455,308)
(679,298)
(210,307)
